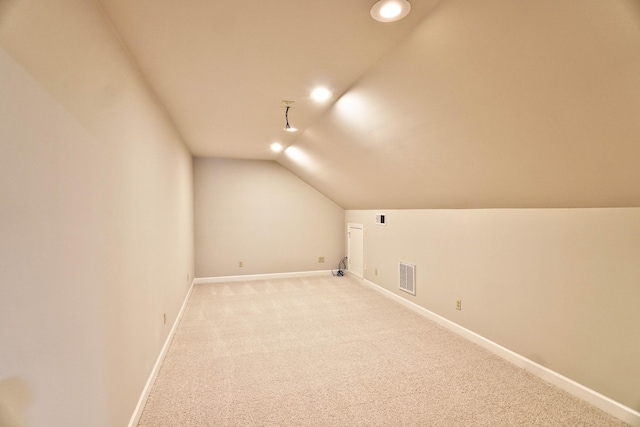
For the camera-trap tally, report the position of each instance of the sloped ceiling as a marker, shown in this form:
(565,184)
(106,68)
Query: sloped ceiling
(223,68)
(464,104)
(490,104)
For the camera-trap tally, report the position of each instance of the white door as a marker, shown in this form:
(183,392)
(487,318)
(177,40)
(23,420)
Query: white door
(355,249)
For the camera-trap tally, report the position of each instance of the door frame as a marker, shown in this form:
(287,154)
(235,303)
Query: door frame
(349,227)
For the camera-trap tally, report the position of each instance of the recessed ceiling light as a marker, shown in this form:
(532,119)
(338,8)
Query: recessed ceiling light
(276,147)
(321,94)
(390,10)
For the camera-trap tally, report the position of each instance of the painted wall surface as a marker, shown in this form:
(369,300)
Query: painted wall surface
(52,274)
(259,213)
(96,219)
(558,286)
(489,104)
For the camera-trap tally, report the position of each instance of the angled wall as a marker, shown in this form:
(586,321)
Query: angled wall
(489,104)
(96,219)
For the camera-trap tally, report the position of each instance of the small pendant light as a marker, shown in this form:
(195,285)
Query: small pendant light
(288,127)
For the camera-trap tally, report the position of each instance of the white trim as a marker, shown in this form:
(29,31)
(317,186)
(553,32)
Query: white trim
(267,276)
(598,400)
(137,413)
(355,274)
(351,225)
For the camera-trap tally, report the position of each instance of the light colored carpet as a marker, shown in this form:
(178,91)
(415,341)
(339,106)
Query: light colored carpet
(323,351)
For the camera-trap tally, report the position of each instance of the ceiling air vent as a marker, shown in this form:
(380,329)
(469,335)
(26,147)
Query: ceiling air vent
(407,278)
(380,219)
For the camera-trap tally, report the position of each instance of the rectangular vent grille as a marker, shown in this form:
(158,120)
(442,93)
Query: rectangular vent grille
(407,278)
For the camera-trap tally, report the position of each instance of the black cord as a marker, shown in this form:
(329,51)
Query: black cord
(341,267)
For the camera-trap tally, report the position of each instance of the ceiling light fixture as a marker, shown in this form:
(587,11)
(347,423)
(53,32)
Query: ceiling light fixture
(390,10)
(276,147)
(287,127)
(320,94)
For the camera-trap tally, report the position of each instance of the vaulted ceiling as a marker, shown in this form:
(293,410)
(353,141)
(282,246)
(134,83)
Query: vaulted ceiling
(462,104)
(222,69)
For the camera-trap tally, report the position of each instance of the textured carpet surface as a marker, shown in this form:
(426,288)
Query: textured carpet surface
(324,351)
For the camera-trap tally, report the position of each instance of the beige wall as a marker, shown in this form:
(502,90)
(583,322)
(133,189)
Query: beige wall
(489,104)
(96,219)
(558,286)
(261,214)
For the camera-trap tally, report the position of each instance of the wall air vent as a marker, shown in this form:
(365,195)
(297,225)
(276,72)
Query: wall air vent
(407,278)
(381,219)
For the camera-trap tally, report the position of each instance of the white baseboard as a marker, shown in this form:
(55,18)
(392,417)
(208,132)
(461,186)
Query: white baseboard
(137,413)
(267,276)
(598,400)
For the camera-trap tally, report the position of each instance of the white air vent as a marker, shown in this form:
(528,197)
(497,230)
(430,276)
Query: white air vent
(407,278)
(381,219)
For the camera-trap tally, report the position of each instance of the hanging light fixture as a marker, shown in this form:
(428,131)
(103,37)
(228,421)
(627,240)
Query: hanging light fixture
(390,10)
(288,127)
